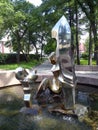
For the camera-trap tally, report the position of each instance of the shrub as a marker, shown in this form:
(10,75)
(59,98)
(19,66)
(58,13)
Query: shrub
(12,58)
(84,56)
(3,58)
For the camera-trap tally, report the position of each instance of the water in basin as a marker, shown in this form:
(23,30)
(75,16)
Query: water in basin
(11,101)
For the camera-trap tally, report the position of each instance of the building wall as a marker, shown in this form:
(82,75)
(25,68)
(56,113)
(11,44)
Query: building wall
(3,48)
(82,48)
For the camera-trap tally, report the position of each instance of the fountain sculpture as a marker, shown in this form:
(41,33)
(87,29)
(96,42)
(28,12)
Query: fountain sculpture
(58,91)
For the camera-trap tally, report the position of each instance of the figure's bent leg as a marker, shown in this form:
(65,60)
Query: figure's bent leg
(43,85)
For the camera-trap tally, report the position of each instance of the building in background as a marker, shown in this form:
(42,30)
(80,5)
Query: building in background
(3,47)
(82,48)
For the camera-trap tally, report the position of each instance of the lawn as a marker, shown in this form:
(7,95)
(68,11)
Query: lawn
(85,62)
(27,65)
(33,63)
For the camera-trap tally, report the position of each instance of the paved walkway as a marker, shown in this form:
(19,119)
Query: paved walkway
(85,76)
(46,66)
(7,78)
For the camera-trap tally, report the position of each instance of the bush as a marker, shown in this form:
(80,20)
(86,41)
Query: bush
(84,56)
(12,58)
(3,58)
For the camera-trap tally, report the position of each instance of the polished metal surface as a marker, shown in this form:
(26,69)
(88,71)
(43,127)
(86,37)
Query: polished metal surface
(27,80)
(64,59)
(63,83)
(62,33)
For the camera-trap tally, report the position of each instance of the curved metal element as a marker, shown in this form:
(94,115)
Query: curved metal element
(63,82)
(62,33)
(64,57)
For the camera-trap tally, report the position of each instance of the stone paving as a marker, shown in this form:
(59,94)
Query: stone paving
(84,75)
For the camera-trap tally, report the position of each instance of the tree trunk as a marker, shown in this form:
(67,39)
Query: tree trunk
(18,52)
(41,51)
(41,47)
(36,50)
(91,15)
(94,29)
(77,43)
(90,47)
(25,56)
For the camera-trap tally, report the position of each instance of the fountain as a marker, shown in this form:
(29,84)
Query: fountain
(57,94)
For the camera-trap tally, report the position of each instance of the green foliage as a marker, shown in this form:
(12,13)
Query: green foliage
(50,47)
(6,13)
(90,9)
(84,56)
(28,24)
(3,58)
(12,58)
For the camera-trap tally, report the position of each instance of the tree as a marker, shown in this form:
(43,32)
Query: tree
(52,11)
(6,12)
(30,25)
(77,33)
(19,25)
(90,46)
(90,8)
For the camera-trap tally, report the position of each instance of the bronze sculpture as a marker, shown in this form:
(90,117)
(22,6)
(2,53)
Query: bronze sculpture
(59,90)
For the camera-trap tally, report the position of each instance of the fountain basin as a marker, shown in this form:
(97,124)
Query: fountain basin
(84,74)
(11,102)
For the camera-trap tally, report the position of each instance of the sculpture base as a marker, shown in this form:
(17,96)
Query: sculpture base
(79,111)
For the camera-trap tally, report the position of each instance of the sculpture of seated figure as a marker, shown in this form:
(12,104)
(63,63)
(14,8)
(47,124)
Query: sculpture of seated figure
(50,90)
(64,79)
(60,89)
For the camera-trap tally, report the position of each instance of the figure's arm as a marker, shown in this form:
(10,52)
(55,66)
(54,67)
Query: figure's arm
(43,85)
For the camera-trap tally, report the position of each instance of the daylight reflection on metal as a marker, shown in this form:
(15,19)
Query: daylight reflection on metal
(61,87)
(64,57)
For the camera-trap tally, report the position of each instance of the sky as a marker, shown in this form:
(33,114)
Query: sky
(35,2)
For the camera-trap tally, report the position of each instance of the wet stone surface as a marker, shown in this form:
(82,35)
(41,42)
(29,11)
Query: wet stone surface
(11,102)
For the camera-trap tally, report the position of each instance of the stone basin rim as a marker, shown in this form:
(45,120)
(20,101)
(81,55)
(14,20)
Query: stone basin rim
(85,75)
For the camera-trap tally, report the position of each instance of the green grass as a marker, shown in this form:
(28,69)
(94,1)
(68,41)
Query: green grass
(30,64)
(27,65)
(85,62)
